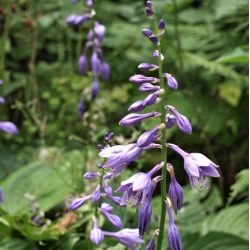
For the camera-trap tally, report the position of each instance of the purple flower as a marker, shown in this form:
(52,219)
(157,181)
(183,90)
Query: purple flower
(99,30)
(150,99)
(104,71)
(79,202)
(145,212)
(96,234)
(2,100)
(156,54)
(197,166)
(77,19)
(96,194)
(171,81)
(148,137)
(91,175)
(128,237)
(174,238)
(133,119)
(95,88)
(147,32)
(1,81)
(175,190)
(108,137)
(95,63)
(82,64)
(1,196)
(81,108)
(182,122)
(89,3)
(136,106)
(8,127)
(149,8)
(147,87)
(151,245)
(113,219)
(148,66)
(153,39)
(143,79)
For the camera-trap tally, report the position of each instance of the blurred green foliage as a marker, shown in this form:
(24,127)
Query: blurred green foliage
(206,49)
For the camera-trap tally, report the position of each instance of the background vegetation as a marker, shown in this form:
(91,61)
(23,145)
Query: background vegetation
(206,46)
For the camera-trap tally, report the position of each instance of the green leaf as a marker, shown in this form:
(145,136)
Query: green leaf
(236,56)
(17,244)
(230,92)
(233,220)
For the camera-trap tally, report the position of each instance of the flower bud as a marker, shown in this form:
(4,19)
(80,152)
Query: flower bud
(147,32)
(171,81)
(96,234)
(161,27)
(148,66)
(147,87)
(82,64)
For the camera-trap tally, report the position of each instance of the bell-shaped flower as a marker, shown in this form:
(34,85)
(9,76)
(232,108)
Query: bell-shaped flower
(94,88)
(143,79)
(115,220)
(197,166)
(95,63)
(96,234)
(79,202)
(99,30)
(171,81)
(174,238)
(148,87)
(104,71)
(8,127)
(133,119)
(127,237)
(182,122)
(175,191)
(89,3)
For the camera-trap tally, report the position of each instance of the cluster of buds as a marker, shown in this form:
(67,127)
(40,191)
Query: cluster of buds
(98,65)
(138,190)
(7,126)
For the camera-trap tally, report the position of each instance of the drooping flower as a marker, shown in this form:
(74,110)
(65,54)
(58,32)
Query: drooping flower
(99,30)
(174,238)
(197,166)
(95,63)
(96,194)
(128,237)
(96,234)
(104,71)
(151,245)
(91,175)
(175,191)
(182,122)
(95,88)
(82,64)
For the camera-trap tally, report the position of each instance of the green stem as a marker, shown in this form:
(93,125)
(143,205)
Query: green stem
(164,148)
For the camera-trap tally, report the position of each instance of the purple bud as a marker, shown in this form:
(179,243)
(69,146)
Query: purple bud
(153,39)
(147,87)
(148,137)
(156,54)
(82,64)
(171,81)
(149,8)
(95,88)
(161,25)
(95,63)
(105,71)
(99,30)
(174,238)
(151,245)
(150,99)
(170,121)
(148,66)
(81,108)
(147,32)
(96,234)
(143,79)
(90,36)
(136,106)
(113,219)
(133,119)
(108,137)
(2,100)
(96,194)
(182,122)
(1,81)
(107,207)
(79,202)
(91,175)
(77,19)
(8,127)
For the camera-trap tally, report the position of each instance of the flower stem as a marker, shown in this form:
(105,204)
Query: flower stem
(164,148)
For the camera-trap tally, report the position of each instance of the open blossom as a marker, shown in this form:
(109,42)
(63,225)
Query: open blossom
(197,166)
(128,237)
